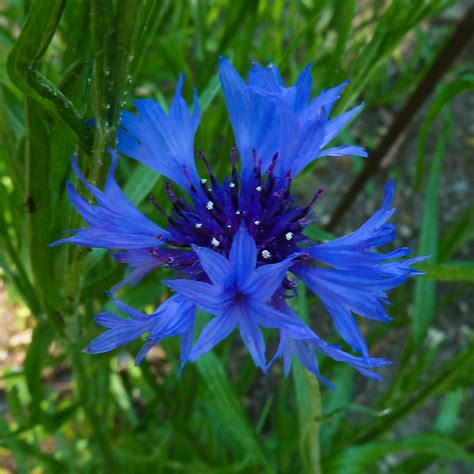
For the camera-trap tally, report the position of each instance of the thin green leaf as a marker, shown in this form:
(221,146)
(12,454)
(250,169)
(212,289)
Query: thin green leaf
(209,93)
(228,407)
(444,95)
(359,459)
(36,358)
(140,183)
(458,235)
(308,402)
(449,412)
(37,32)
(449,271)
(425,289)
(343,380)
(449,374)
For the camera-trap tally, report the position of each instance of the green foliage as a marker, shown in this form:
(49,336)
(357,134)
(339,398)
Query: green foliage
(425,289)
(62,63)
(358,459)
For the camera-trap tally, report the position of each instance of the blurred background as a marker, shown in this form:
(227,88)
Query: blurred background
(62,63)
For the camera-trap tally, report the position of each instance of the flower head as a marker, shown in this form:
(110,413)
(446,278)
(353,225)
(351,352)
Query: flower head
(235,245)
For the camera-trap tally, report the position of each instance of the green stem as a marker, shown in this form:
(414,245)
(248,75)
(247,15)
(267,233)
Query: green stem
(114,39)
(308,401)
(311,438)
(38,163)
(439,383)
(24,60)
(88,403)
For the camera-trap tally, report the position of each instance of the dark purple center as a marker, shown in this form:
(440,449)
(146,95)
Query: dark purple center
(263,202)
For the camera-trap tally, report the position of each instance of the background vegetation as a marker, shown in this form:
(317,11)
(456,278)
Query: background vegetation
(63,411)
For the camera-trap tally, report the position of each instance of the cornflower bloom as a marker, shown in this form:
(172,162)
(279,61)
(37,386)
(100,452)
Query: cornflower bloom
(235,245)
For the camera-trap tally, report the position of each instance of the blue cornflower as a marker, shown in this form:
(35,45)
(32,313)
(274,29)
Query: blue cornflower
(235,245)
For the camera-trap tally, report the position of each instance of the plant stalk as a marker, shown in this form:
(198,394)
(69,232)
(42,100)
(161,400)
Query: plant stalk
(312,440)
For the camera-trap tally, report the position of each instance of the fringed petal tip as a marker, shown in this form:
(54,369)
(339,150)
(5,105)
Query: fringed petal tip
(58,242)
(163,141)
(389,191)
(289,114)
(326,382)
(181,367)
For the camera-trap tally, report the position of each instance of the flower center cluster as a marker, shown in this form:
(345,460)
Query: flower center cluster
(217,210)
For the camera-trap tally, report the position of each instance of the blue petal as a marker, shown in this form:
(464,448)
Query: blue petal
(196,114)
(165,143)
(346,326)
(341,300)
(109,320)
(268,317)
(335,125)
(345,150)
(265,281)
(208,297)
(251,335)
(266,116)
(213,333)
(347,256)
(307,145)
(243,256)
(115,223)
(360,291)
(253,117)
(325,99)
(215,265)
(186,346)
(402,269)
(303,89)
(174,317)
(112,198)
(237,108)
(144,351)
(354,249)
(140,263)
(97,238)
(266,78)
(304,348)
(286,350)
(109,220)
(354,255)
(132,312)
(116,337)
(360,278)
